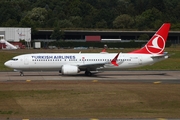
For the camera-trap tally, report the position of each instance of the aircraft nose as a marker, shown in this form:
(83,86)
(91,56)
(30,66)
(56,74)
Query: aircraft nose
(8,64)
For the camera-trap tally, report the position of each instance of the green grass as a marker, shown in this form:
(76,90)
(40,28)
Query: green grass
(89,100)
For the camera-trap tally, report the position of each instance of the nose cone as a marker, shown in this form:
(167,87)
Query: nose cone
(8,64)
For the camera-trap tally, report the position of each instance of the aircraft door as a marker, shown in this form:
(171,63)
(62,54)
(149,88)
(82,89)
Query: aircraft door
(26,61)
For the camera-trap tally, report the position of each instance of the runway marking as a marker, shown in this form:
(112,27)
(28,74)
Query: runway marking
(157,82)
(161,119)
(95,81)
(94,119)
(28,80)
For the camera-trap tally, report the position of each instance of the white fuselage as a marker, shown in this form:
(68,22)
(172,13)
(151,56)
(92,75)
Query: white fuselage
(54,61)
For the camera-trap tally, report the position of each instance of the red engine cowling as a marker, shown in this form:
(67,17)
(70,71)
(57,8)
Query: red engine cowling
(69,69)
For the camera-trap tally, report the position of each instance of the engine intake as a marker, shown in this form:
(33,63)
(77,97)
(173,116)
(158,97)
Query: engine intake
(69,69)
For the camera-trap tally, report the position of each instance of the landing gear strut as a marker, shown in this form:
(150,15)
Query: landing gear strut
(21,73)
(88,73)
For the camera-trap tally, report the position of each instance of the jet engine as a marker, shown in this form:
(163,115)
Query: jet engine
(69,69)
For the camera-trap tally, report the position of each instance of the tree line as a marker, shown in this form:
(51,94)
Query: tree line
(90,14)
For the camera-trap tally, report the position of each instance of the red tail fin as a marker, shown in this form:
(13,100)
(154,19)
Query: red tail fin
(157,43)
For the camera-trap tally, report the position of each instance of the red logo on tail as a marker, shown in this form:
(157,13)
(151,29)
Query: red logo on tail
(156,45)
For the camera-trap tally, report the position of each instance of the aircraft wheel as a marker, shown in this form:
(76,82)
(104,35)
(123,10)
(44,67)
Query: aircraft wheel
(88,73)
(21,73)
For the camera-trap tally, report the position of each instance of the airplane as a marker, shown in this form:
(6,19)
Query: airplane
(73,63)
(9,46)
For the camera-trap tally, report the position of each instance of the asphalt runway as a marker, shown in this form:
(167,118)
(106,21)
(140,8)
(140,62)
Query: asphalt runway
(169,77)
(118,76)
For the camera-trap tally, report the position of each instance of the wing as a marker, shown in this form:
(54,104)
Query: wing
(91,67)
(94,66)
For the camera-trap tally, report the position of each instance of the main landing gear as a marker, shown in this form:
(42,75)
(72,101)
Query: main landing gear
(88,73)
(21,73)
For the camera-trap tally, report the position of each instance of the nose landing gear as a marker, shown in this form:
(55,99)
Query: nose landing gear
(21,73)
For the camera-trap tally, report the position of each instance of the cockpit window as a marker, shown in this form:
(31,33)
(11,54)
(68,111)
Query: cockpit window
(14,59)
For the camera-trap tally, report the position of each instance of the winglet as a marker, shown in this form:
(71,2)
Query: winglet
(104,50)
(113,61)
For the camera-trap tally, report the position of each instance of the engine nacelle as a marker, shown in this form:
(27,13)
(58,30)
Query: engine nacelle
(69,70)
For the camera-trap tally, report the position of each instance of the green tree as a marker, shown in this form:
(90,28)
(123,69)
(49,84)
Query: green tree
(27,22)
(177,11)
(101,24)
(139,6)
(65,24)
(149,19)
(170,10)
(38,16)
(74,7)
(10,13)
(76,21)
(147,14)
(56,34)
(10,23)
(123,21)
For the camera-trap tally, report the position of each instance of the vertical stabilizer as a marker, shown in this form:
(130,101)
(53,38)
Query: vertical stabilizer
(157,43)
